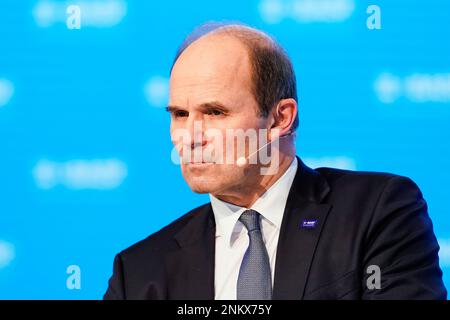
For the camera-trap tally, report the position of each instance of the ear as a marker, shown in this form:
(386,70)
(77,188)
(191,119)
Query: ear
(284,115)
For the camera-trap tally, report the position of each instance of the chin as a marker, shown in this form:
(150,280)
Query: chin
(211,181)
(200,184)
(200,190)
(199,187)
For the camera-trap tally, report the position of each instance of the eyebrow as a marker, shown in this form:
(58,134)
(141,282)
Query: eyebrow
(216,105)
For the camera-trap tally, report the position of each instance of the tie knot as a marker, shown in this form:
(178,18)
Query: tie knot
(250,219)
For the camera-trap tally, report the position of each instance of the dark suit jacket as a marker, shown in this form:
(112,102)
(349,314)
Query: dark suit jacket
(363,219)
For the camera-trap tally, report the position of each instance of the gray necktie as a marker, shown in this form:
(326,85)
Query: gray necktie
(255,280)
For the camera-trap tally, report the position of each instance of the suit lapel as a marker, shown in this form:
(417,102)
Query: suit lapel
(297,243)
(190,267)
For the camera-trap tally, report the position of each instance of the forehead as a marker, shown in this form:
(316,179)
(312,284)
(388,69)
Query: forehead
(214,67)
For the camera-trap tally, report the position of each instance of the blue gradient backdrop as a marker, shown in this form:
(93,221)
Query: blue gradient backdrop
(85,166)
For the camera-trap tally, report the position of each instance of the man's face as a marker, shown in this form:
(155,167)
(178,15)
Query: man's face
(210,88)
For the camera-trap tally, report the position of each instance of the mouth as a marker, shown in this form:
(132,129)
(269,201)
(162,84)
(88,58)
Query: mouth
(199,164)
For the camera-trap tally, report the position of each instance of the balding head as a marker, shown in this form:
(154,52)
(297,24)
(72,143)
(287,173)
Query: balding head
(272,75)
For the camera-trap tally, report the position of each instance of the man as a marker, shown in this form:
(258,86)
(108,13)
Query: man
(295,233)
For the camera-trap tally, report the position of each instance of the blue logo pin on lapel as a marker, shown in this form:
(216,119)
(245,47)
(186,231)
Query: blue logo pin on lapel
(308,224)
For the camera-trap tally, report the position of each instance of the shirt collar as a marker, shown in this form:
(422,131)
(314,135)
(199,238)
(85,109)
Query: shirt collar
(270,205)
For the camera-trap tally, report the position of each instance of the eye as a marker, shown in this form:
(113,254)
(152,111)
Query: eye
(180,113)
(215,112)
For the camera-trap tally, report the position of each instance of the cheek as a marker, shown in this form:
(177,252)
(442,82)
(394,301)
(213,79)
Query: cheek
(172,131)
(177,136)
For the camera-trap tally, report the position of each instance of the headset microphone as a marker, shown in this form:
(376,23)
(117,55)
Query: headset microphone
(242,161)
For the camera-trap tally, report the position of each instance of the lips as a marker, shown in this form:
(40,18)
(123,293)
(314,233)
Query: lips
(200,163)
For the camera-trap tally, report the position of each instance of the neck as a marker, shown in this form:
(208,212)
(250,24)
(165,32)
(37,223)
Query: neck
(247,196)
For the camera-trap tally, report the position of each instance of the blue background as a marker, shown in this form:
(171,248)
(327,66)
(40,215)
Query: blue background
(85,154)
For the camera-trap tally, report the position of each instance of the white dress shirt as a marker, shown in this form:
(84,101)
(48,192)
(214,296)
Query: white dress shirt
(232,238)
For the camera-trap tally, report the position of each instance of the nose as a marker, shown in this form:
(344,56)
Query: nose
(195,130)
